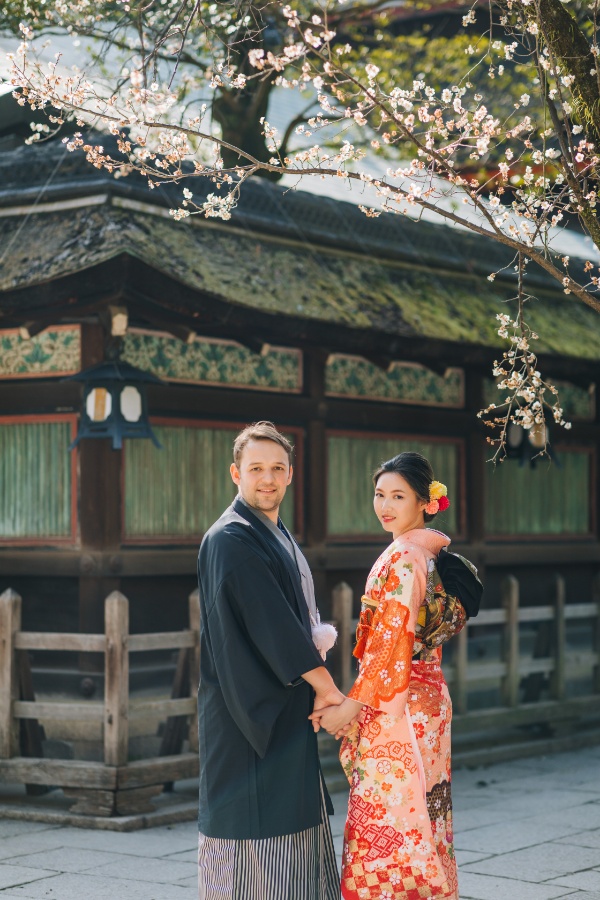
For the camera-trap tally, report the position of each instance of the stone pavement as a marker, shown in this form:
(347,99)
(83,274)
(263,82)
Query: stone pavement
(525,830)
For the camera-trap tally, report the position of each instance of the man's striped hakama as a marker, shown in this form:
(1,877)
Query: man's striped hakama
(298,866)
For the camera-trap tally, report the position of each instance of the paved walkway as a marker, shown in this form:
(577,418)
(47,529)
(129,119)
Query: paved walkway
(526,830)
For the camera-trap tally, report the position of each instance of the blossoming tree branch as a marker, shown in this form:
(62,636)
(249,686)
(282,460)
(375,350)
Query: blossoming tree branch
(540,149)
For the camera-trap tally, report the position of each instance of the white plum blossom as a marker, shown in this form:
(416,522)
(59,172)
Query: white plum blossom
(532,177)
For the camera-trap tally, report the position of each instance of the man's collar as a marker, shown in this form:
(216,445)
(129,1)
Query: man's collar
(260,515)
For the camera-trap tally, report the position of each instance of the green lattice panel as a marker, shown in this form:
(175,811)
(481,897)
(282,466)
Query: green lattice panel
(351,463)
(35,480)
(549,499)
(179,491)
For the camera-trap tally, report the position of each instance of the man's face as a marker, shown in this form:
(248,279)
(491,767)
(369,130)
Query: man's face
(263,475)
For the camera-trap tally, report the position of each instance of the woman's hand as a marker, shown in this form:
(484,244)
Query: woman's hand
(345,731)
(335,718)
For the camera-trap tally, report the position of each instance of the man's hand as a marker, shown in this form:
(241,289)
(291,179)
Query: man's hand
(331,697)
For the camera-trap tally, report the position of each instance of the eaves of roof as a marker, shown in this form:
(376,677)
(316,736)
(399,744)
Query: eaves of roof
(253,270)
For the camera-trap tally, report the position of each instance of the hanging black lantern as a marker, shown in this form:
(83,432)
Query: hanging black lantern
(114,403)
(526,445)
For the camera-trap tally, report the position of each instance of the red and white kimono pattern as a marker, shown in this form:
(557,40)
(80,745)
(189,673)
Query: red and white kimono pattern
(398,836)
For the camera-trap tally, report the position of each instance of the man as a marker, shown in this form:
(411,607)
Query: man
(264,831)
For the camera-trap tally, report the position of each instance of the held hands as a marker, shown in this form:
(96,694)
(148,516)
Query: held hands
(331,697)
(336,719)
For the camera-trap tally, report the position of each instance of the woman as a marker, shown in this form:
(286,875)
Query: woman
(398,837)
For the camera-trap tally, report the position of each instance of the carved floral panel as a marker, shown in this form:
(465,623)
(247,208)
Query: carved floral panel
(214,362)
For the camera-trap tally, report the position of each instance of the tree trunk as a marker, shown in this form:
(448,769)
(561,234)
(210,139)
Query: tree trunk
(571,49)
(239,116)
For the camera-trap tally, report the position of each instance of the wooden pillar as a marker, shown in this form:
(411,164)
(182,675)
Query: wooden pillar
(315,468)
(116,680)
(475,463)
(99,510)
(342,616)
(10,624)
(558,676)
(596,596)
(459,687)
(194,607)
(510,602)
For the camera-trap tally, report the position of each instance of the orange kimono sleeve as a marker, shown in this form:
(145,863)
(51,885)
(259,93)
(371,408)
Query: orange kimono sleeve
(385,667)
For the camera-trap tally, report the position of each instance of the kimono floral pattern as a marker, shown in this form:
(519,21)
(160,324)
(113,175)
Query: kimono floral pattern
(398,836)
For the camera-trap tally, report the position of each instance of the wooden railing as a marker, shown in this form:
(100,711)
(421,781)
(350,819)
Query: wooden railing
(115,786)
(119,787)
(520,679)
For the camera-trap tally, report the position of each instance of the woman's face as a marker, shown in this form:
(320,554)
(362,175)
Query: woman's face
(396,504)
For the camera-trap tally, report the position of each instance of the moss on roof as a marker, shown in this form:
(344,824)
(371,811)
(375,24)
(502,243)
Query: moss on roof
(251,270)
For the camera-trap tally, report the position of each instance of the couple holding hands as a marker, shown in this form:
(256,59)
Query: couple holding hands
(264,693)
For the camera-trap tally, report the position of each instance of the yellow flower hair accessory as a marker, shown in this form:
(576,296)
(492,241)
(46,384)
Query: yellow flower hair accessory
(437,490)
(438,499)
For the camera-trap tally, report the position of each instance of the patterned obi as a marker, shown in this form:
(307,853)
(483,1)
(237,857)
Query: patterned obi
(441,616)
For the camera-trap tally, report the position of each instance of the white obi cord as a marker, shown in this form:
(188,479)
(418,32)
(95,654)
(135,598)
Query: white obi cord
(324,635)
(417,754)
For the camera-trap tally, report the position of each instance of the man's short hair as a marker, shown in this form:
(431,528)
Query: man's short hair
(260,431)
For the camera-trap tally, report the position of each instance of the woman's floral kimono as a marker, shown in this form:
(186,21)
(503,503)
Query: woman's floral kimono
(398,837)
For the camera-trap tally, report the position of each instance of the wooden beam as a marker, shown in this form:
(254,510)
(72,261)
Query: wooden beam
(527,713)
(48,640)
(158,770)
(29,330)
(91,802)
(184,706)
(134,801)
(66,773)
(78,712)
(165,560)
(165,640)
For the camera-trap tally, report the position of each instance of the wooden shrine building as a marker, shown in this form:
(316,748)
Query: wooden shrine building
(360,337)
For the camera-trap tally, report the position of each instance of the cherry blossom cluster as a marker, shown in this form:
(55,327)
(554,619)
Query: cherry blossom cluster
(544,169)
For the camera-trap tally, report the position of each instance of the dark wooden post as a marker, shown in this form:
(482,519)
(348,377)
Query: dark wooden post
(477,455)
(342,614)
(315,470)
(194,606)
(510,602)
(558,676)
(596,595)
(459,692)
(116,680)
(99,512)
(10,624)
